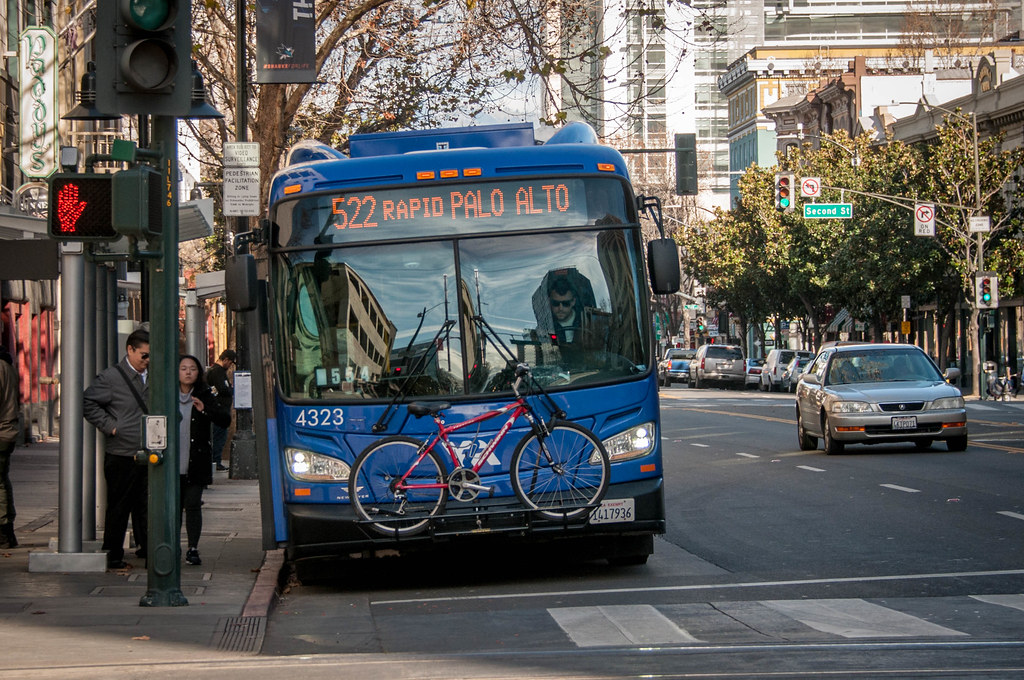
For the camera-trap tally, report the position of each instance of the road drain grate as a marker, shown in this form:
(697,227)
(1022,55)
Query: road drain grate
(241,634)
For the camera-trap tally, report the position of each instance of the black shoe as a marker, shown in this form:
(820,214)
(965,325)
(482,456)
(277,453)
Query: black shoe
(117,564)
(7,539)
(221,468)
(141,553)
(192,557)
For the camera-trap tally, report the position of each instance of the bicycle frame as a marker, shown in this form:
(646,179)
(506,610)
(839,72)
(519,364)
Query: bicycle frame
(519,408)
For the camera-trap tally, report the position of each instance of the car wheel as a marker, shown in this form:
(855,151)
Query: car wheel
(957,443)
(832,447)
(761,386)
(696,381)
(807,442)
(922,444)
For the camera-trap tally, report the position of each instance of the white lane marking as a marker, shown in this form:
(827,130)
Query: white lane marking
(613,625)
(705,586)
(1015,601)
(978,407)
(854,618)
(703,446)
(747,455)
(808,467)
(897,487)
(1009,513)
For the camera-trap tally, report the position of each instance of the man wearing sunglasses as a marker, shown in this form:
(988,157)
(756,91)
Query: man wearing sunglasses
(564,312)
(115,404)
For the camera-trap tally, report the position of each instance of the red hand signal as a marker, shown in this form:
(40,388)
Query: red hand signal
(69,208)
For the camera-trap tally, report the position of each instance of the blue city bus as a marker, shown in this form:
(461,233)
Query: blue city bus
(418,267)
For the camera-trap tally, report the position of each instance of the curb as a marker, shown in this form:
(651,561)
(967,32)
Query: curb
(265,588)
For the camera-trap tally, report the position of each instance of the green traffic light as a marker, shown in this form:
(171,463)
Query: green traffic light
(784,202)
(149,15)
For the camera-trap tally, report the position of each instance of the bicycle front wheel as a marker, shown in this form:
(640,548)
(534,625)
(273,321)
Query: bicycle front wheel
(563,474)
(390,489)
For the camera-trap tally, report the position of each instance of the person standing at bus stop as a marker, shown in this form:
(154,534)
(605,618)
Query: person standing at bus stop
(199,408)
(8,439)
(115,404)
(219,381)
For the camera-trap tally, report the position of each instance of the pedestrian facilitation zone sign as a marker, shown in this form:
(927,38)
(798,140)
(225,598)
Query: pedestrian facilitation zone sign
(825,211)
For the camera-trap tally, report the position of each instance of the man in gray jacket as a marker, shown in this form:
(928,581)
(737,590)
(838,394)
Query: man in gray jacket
(115,404)
(9,399)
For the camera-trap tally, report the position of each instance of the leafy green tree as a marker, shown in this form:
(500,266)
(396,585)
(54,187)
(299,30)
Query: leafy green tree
(971,176)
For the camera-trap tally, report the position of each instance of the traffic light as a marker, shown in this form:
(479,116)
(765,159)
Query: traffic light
(79,208)
(686,164)
(137,209)
(986,288)
(701,326)
(784,197)
(144,57)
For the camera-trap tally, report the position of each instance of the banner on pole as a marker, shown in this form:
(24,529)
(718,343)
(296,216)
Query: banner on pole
(285,41)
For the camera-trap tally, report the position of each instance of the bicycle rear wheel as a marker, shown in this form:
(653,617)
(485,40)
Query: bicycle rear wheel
(374,493)
(563,474)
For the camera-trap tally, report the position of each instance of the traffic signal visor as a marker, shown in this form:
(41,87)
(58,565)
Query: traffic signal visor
(80,208)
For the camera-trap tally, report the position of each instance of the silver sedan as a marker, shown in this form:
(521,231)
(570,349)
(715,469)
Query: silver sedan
(875,393)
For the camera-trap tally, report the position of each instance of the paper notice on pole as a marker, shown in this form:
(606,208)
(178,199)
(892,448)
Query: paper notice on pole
(241,192)
(243,389)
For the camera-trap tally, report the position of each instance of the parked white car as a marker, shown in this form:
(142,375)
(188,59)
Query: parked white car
(775,364)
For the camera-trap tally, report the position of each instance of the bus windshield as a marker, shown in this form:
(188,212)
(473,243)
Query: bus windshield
(365,321)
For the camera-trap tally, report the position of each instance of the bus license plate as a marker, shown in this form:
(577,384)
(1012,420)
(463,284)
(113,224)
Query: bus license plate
(904,422)
(616,510)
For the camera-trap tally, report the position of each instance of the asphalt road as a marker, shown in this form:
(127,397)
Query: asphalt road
(777,563)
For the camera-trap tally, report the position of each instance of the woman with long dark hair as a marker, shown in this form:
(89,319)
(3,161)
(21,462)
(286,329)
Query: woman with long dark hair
(198,408)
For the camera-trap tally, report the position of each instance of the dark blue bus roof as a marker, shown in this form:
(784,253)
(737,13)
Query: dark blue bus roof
(409,157)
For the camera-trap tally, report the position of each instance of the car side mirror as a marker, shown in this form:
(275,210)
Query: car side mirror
(811,378)
(951,374)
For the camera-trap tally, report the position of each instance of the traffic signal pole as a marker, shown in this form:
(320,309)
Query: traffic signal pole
(163,565)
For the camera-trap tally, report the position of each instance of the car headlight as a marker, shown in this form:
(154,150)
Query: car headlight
(633,443)
(948,403)
(307,466)
(851,407)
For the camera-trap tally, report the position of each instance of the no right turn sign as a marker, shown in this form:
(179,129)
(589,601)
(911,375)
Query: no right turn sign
(924,219)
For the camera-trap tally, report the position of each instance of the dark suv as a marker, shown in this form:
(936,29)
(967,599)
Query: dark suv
(719,364)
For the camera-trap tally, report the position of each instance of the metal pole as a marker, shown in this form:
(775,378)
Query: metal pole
(164,559)
(243,444)
(95,282)
(69,500)
(195,326)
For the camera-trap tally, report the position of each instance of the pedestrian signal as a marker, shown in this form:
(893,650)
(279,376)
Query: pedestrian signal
(784,192)
(80,208)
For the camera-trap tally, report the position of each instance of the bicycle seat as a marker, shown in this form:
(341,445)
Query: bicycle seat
(423,408)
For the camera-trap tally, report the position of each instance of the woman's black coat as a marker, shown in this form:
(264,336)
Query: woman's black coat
(200,453)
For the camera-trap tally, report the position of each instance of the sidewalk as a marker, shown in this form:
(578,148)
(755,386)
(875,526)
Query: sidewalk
(59,620)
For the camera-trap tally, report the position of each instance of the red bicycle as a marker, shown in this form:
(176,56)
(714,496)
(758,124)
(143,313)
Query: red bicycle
(559,469)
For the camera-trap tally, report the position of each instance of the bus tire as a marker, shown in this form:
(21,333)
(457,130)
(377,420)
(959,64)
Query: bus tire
(572,483)
(371,486)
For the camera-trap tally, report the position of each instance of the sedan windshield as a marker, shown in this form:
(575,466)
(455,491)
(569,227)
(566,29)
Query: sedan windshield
(881,365)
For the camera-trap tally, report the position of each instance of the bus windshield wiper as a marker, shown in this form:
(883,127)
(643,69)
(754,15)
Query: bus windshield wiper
(421,361)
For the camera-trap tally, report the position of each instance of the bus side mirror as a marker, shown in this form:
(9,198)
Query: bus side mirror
(663,264)
(240,283)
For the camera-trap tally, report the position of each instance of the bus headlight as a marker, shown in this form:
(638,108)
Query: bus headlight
(633,443)
(307,466)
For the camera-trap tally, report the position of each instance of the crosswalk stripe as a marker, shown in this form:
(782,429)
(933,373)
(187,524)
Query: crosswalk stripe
(614,625)
(978,407)
(1014,601)
(854,618)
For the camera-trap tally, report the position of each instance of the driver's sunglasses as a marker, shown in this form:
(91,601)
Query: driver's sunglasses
(145,355)
(562,303)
